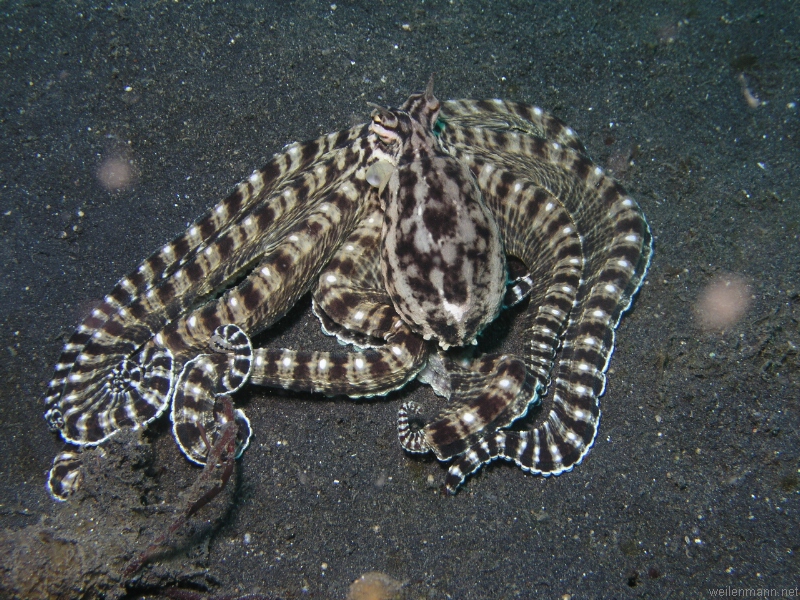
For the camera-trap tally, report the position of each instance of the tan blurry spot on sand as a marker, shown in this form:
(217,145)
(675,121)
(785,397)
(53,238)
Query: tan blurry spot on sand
(722,303)
(375,586)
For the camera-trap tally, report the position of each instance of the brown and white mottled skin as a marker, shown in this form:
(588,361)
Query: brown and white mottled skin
(400,228)
(442,258)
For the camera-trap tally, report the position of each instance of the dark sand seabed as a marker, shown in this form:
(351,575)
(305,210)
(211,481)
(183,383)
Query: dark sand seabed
(694,480)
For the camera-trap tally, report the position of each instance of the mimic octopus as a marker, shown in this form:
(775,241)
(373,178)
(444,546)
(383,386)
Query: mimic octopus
(401,229)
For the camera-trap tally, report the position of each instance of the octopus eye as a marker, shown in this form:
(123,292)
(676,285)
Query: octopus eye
(384,125)
(382,116)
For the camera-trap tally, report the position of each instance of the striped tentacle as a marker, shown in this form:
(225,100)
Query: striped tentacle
(66,475)
(159,267)
(103,389)
(352,304)
(491,392)
(538,231)
(242,243)
(127,394)
(373,372)
(198,417)
(286,271)
(83,411)
(350,300)
(503,116)
(234,344)
(616,245)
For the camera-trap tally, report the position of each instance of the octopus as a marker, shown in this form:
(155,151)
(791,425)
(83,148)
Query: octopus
(412,232)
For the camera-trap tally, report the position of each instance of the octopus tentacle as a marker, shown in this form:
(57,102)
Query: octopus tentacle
(351,303)
(285,272)
(107,380)
(410,429)
(540,232)
(234,343)
(66,475)
(159,267)
(198,417)
(502,115)
(616,245)
(491,392)
(111,347)
(373,372)
(132,392)
(350,300)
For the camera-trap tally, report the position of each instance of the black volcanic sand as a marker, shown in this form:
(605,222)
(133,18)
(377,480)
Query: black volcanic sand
(693,482)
